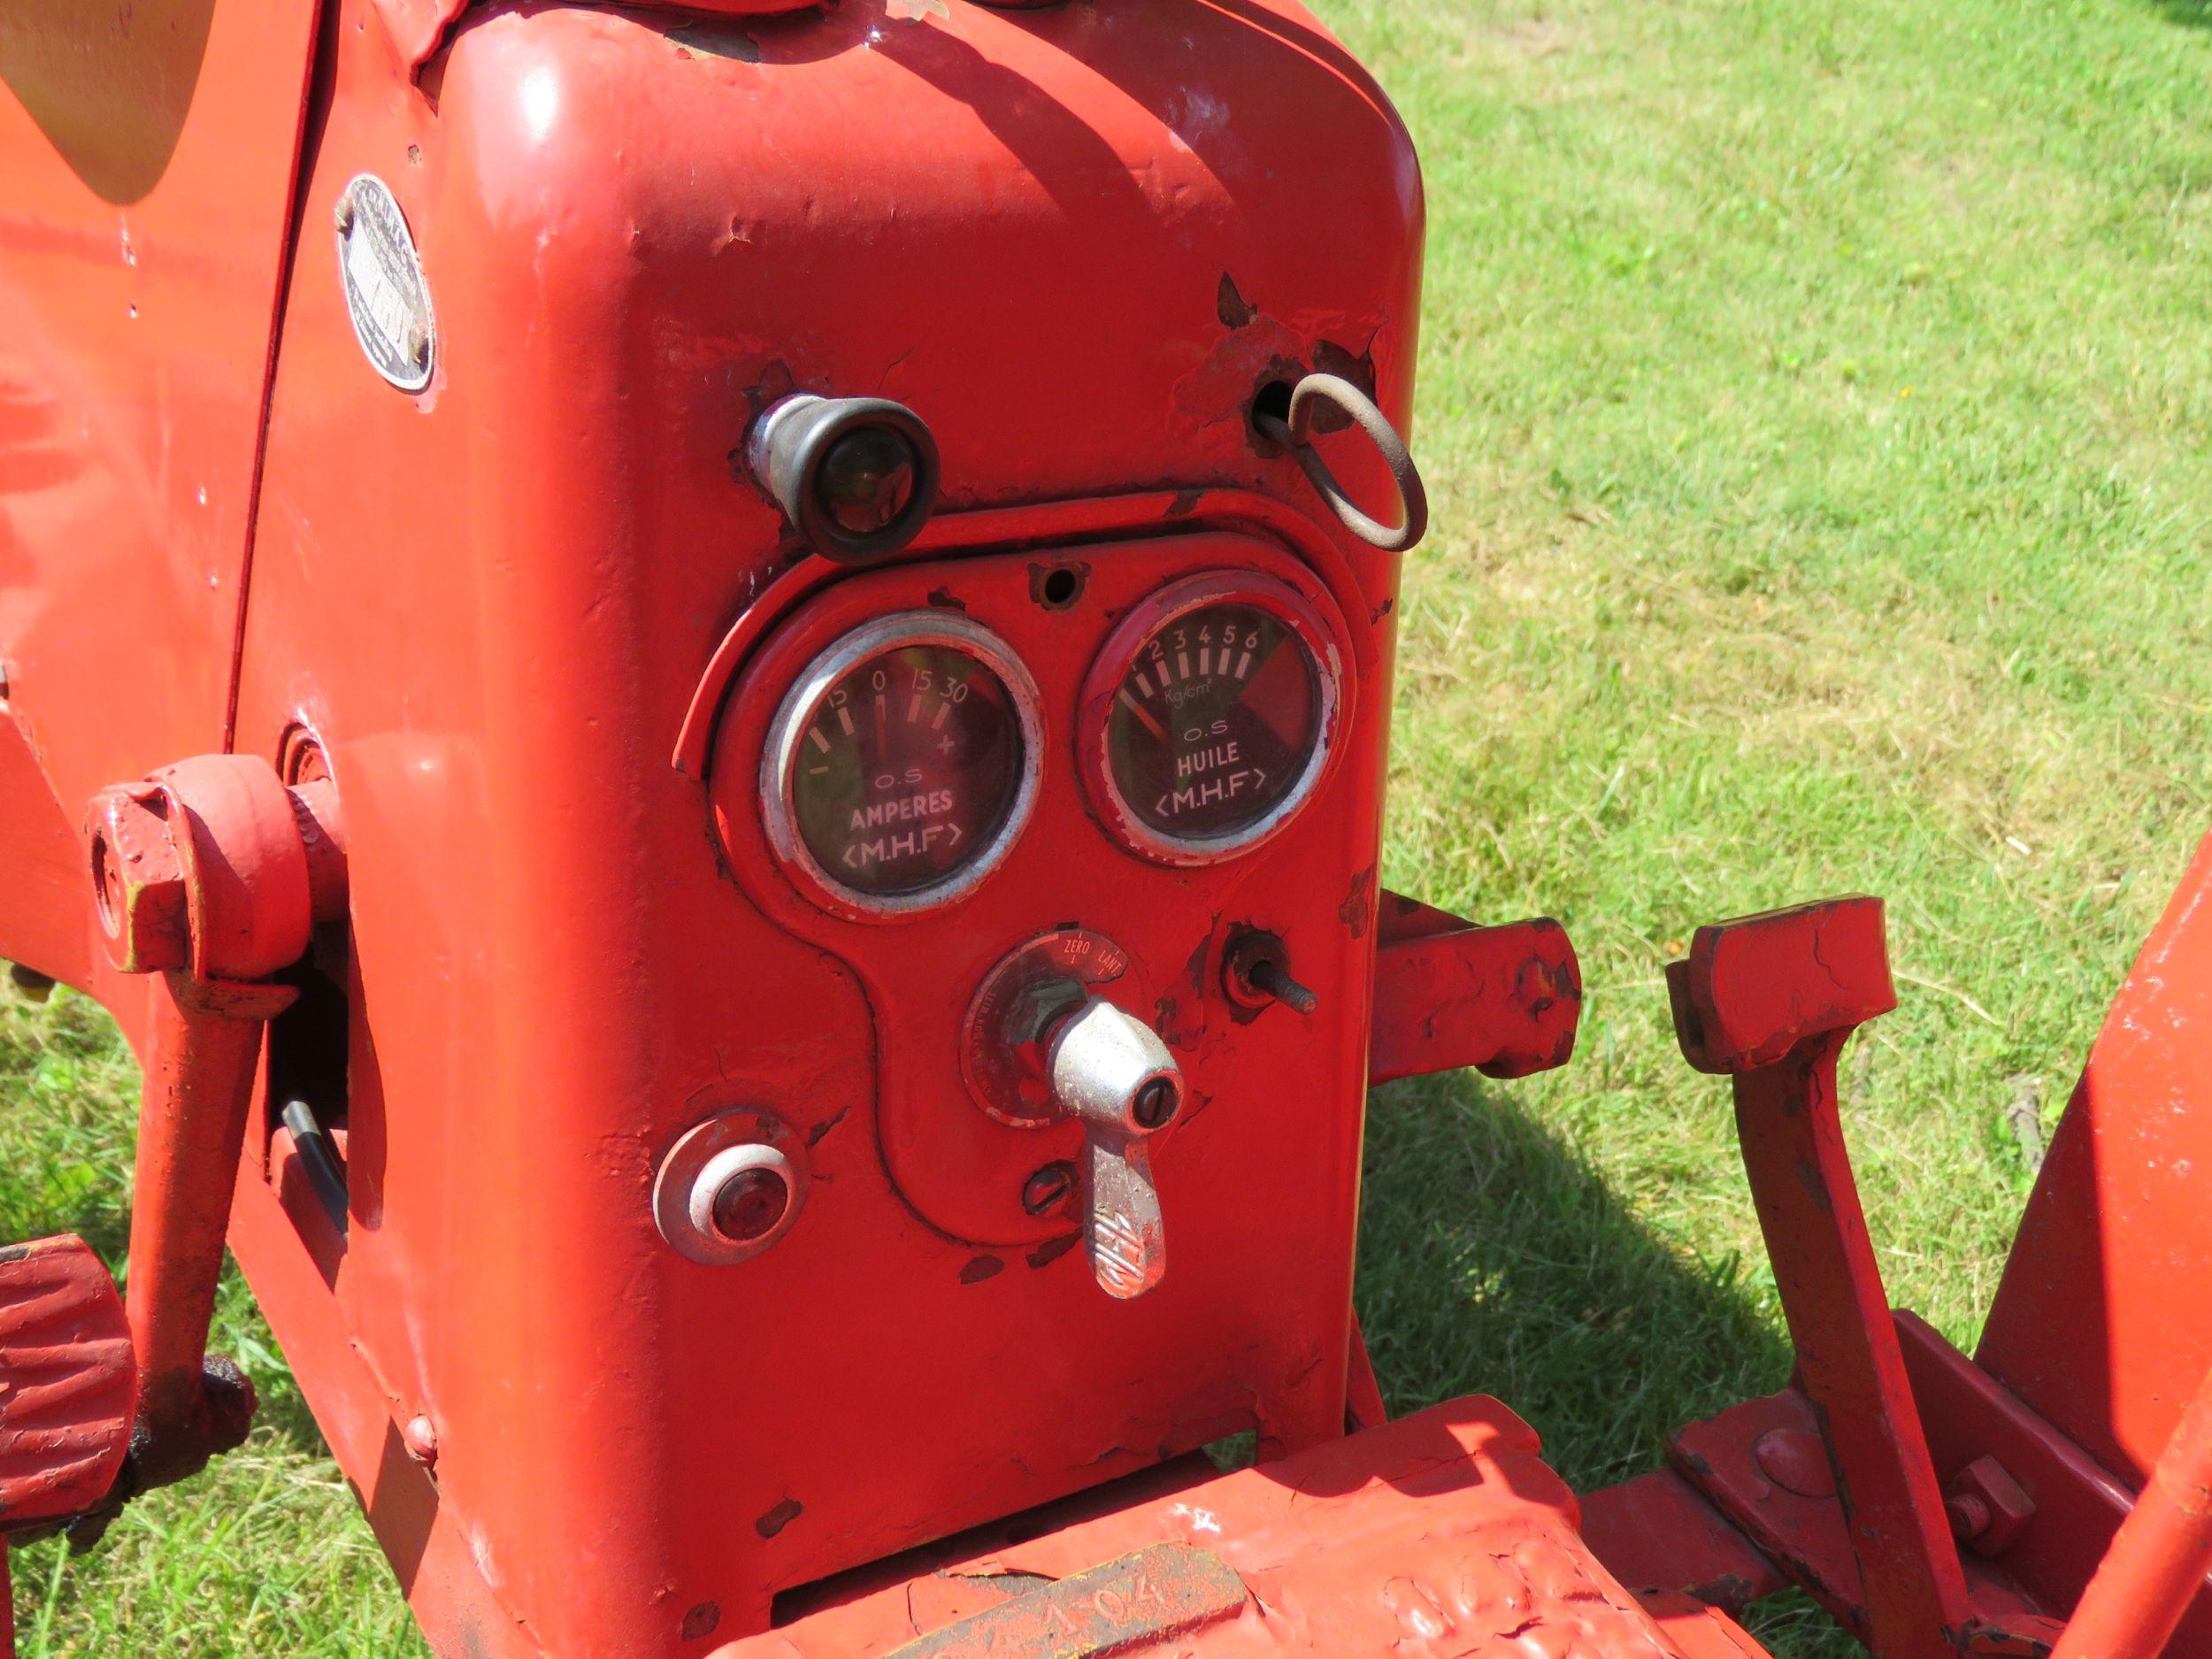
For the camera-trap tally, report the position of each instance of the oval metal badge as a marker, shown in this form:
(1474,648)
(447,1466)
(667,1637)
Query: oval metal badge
(386,294)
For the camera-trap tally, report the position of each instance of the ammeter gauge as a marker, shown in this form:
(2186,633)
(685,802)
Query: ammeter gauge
(1208,716)
(902,764)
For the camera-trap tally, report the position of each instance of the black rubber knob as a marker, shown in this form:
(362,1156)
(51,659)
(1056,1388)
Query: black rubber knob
(856,476)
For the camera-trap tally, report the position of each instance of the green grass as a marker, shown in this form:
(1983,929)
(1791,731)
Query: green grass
(1817,405)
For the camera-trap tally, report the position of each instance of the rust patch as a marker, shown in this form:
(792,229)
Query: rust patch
(779,1518)
(1232,307)
(1052,1250)
(702,1622)
(1357,910)
(980,1268)
(815,1136)
(1358,367)
(716,39)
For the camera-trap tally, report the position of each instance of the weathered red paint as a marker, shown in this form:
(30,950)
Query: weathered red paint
(1659,1532)
(1770,999)
(1078,242)
(71,1391)
(1441,1532)
(2116,1248)
(2161,1554)
(1505,1000)
(1835,1480)
(530,625)
(2079,1505)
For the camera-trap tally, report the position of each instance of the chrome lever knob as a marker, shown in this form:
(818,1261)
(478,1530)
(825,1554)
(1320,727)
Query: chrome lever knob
(1111,1072)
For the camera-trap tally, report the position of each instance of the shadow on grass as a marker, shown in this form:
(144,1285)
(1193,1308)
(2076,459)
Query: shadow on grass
(1493,1260)
(2196,14)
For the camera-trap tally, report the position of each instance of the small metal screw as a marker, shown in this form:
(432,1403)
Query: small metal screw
(1156,1102)
(342,217)
(1049,1189)
(417,343)
(1269,976)
(420,1438)
(1256,971)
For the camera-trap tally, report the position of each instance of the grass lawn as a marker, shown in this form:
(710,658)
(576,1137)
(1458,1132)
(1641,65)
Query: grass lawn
(1817,407)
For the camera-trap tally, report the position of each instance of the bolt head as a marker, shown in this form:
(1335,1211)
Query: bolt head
(421,1439)
(138,878)
(867,479)
(1986,1493)
(1795,1460)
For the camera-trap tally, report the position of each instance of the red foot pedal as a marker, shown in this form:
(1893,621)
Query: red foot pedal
(68,1391)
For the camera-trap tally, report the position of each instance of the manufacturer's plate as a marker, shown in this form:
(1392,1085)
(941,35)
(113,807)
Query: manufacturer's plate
(386,294)
(1156,1592)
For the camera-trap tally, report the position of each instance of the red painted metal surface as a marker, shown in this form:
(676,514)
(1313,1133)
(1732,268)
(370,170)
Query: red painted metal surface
(1770,1001)
(2160,1556)
(1659,1532)
(208,876)
(1762,1465)
(70,1392)
(1079,243)
(1076,242)
(2078,1504)
(1448,994)
(198,1092)
(2116,1248)
(1442,1533)
(146,169)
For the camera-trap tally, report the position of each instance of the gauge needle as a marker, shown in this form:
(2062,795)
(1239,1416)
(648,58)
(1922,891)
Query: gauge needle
(1140,711)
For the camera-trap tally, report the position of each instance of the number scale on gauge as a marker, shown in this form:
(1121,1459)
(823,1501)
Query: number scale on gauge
(909,762)
(1214,722)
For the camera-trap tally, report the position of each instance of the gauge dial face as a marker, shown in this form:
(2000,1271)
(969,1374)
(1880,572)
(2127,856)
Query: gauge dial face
(902,762)
(1216,724)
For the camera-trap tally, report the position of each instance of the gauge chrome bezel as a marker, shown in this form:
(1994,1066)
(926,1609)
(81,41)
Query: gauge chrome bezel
(778,763)
(1308,627)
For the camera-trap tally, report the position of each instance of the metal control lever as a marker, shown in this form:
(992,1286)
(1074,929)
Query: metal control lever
(1111,1072)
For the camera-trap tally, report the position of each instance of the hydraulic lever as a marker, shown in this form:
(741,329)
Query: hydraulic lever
(1044,1046)
(1111,1072)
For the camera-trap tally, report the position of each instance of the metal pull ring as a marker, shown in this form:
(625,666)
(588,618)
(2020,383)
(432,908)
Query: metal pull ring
(1296,434)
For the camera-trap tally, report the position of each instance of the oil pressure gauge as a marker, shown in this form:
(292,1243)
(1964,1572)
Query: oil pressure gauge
(1208,715)
(901,764)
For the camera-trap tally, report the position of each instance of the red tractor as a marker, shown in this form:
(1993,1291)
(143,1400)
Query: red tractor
(709,689)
